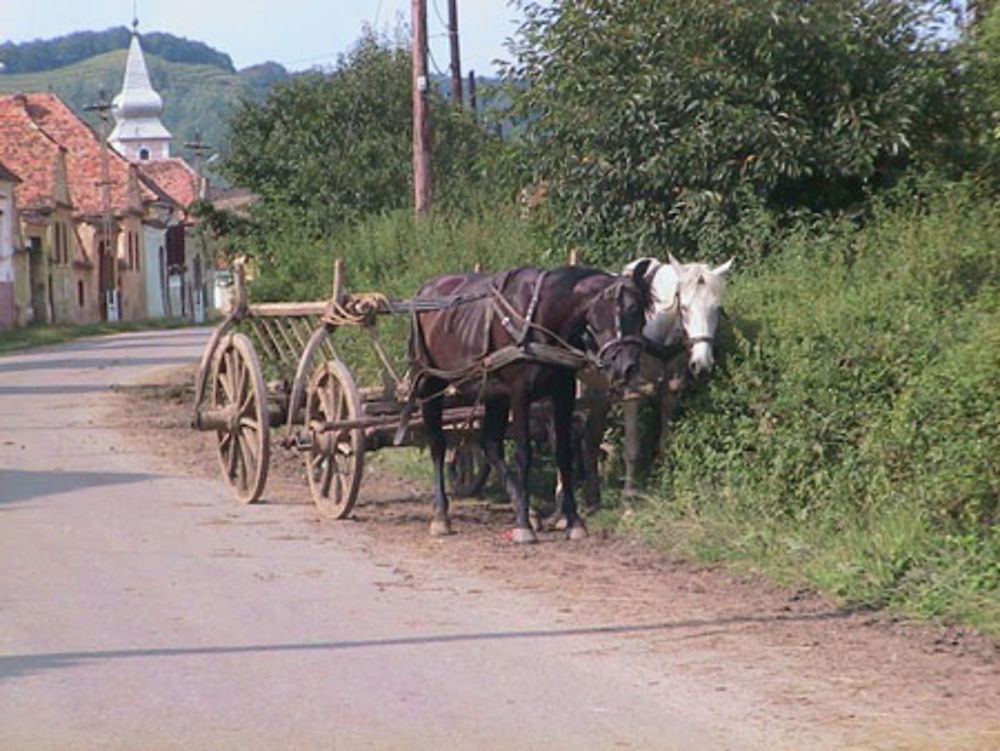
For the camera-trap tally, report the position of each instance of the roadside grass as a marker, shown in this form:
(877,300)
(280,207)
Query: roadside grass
(31,336)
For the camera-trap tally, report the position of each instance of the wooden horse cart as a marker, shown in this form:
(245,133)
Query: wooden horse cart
(310,391)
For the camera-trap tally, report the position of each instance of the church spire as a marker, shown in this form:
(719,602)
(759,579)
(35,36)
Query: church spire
(138,133)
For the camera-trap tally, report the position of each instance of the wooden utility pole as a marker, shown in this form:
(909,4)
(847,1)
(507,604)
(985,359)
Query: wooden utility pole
(199,149)
(200,294)
(456,66)
(422,181)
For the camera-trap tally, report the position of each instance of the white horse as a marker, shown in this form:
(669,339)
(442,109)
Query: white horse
(680,325)
(687,305)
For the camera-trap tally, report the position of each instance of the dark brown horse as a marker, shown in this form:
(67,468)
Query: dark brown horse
(509,339)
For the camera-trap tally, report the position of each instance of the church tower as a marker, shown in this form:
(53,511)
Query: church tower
(138,134)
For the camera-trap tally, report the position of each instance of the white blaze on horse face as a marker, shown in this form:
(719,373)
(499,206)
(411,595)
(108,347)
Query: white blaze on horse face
(699,310)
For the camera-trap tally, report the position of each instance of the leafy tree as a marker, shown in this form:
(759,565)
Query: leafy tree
(326,149)
(981,58)
(657,121)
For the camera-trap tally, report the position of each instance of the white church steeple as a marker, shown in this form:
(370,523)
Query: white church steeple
(138,133)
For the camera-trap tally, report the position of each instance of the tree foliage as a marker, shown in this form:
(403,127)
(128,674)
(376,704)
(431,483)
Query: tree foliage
(981,61)
(326,149)
(653,121)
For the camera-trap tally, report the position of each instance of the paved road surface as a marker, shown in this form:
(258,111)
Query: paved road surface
(147,610)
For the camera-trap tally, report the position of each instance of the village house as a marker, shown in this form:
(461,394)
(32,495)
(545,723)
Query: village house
(101,230)
(81,209)
(9,243)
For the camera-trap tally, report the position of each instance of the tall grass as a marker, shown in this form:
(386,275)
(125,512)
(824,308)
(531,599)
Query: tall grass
(851,436)
(394,254)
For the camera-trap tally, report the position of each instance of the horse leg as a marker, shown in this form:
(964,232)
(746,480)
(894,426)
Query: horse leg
(432,411)
(562,418)
(517,477)
(594,427)
(632,445)
(492,434)
(668,406)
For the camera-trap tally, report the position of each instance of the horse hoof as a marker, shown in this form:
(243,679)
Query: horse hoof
(440,528)
(523,536)
(557,522)
(577,532)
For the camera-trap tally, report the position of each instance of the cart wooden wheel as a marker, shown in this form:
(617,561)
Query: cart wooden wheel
(335,460)
(238,389)
(468,468)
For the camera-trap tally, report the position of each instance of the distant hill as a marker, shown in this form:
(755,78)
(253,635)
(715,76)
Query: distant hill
(50,54)
(196,96)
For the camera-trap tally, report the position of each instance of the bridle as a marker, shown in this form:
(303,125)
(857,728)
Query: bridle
(610,348)
(691,341)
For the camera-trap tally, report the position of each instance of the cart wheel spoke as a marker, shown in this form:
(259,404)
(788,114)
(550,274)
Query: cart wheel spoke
(327,478)
(247,449)
(248,423)
(233,458)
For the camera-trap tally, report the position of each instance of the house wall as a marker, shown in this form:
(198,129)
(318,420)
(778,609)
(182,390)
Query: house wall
(86,272)
(60,247)
(130,280)
(23,313)
(7,246)
(33,300)
(154,244)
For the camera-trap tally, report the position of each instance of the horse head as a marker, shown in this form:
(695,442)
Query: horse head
(687,303)
(614,321)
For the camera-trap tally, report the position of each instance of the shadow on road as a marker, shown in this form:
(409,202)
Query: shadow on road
(88,363)
(13,666)
(18,485)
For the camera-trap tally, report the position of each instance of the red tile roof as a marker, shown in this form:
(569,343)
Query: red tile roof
(23,117)
(175,176)
(30,152)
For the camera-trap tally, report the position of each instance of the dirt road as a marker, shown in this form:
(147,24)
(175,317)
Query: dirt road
(142,607)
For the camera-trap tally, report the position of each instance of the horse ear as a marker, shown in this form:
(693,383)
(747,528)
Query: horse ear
(677,265)
(721,270)
(643,269)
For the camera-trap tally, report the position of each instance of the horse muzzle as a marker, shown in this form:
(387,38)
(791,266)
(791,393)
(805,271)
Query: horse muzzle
(700,360)
(618,359)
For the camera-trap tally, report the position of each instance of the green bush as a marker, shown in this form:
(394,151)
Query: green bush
(851,433)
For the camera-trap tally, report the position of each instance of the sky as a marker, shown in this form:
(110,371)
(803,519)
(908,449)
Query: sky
(299,34)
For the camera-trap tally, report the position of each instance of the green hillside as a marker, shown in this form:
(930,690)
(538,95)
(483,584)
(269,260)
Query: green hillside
(197,97)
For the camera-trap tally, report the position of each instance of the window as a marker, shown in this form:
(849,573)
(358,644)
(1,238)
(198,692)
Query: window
(79,293)
(62,243)
(144,153)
